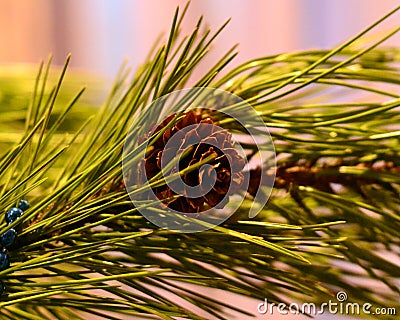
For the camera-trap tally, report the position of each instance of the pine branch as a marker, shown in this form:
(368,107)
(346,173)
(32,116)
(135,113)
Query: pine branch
(84,248)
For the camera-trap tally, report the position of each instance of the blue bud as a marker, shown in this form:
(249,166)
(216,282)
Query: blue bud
(8,238)
(23,205)
(4,261)
(13,214)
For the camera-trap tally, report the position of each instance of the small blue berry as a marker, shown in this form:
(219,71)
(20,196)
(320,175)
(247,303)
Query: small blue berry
(2,287)
(23,205)
(8,238)
(4,261)
(13,214)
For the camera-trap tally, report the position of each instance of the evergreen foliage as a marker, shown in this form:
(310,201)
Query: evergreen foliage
(332,222)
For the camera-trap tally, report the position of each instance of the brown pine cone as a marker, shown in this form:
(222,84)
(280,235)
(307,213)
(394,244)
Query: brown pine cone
(204,140)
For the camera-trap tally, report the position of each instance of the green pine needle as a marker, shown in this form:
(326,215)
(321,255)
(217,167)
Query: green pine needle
(333,215)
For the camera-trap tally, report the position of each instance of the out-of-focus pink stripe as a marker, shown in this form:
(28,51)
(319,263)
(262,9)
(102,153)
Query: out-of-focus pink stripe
(100,33)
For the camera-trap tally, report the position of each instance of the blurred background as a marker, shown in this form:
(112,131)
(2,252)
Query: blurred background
(100,34)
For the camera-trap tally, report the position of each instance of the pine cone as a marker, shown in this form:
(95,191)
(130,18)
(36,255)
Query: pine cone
(205,140)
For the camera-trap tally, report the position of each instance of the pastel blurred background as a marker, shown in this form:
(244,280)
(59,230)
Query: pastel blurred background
(100,34)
